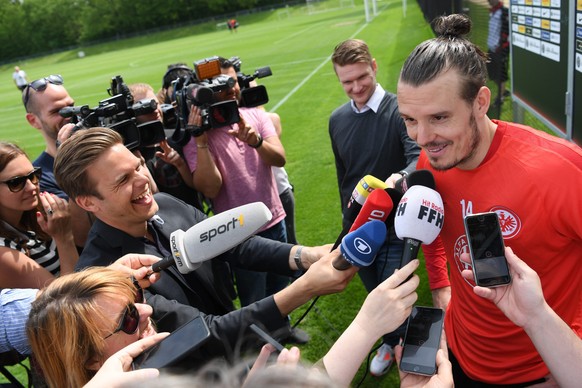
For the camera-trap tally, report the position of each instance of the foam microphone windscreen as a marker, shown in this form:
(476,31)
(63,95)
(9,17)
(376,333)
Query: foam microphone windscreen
(359,248)
(378,206)
(216,235)
(419,215)
(415,178)
(364,187)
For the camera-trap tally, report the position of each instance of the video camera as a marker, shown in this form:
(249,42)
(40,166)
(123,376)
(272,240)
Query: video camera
(251,96)
(200,90)
(118,112)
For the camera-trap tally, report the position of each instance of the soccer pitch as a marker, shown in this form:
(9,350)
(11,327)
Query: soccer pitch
(296,43)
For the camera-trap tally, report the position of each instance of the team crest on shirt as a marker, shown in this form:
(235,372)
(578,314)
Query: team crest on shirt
(510,225)
(508,220)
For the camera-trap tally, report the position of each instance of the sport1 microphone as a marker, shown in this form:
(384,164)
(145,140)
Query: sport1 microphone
(213,236)
(415,178)
(419,219)
(359,248)
(377,207)
(364,187)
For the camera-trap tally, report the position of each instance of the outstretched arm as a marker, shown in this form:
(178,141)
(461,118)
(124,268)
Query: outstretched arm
(385,308)
(523,303)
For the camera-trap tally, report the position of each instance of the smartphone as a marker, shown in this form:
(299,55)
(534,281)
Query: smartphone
(422,340)
(266,337)
(487,249)
(183,341)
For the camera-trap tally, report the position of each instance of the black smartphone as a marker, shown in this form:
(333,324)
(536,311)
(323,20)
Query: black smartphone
(266,337)
(487,249)
(174,347)
(422,340)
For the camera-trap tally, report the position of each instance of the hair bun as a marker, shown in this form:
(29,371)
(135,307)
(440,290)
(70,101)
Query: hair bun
(452,26)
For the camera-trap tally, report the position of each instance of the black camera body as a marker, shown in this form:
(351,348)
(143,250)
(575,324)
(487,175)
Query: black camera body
(118,112)
(201,90)
(251,96)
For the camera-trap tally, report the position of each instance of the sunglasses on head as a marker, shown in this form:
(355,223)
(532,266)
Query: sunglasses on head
(16,184)
(40,84)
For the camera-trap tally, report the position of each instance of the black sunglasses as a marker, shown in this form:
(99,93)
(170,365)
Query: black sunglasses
(17,183)
(40,84)
(129,322)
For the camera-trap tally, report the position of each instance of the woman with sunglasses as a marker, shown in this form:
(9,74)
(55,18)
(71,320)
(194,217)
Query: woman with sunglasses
(36,239)
(82,319)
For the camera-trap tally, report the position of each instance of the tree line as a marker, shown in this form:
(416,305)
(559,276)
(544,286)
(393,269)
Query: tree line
(29,27)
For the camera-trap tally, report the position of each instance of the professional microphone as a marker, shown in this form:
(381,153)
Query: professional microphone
(213,236)
(377,207)
(419,219)
(415,178)
(395,196)
(359,248)
(364,187)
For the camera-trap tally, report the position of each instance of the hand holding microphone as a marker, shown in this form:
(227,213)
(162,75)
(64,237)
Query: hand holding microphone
(415,178)
(214,236)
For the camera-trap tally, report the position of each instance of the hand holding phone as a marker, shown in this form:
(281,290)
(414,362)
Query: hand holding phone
(487,249)
(183,341)
(422,340)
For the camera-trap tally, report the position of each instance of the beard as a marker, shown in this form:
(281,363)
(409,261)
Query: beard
(470,152)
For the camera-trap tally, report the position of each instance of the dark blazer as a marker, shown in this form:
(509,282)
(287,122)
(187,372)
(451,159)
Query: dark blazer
(209,288)
(229,333)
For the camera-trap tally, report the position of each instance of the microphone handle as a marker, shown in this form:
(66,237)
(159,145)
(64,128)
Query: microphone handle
(341,264)
(411,247)
(166,262)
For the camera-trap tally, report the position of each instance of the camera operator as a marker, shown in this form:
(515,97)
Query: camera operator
(231,165)
(165,163)
(175,70)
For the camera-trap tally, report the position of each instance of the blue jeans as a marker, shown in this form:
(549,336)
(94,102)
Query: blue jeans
(387,260)
(253,285)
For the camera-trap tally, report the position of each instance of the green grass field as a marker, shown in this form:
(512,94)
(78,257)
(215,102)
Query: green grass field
(303,90)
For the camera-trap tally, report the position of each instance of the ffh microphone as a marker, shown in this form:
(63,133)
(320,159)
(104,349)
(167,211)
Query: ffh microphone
(364,187)
(419,219)
(213,236)
(378,206)
(359,248)
(415,178)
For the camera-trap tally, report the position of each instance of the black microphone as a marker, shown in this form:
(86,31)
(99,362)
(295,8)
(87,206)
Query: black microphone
(213,236)
(415,178)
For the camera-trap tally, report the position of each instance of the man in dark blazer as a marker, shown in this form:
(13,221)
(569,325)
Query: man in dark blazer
(103,177)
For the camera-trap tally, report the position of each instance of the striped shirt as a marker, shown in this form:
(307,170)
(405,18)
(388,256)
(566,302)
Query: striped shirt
(14,309)
(43,252)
